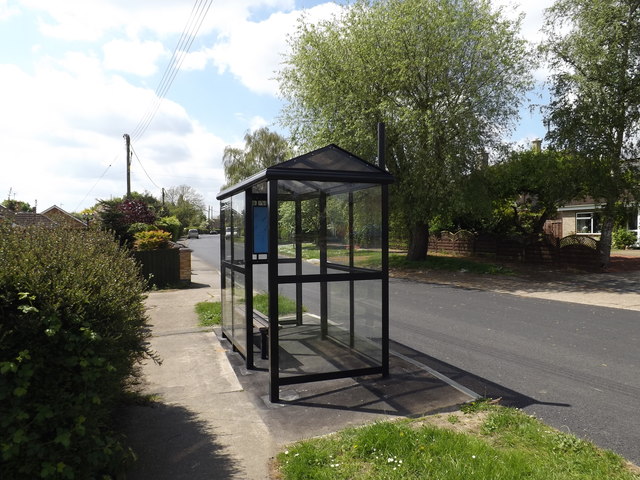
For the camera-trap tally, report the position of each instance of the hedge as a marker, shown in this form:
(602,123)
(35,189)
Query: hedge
(72,334)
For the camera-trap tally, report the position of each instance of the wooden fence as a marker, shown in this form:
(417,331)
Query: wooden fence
(165,267)
(546,251)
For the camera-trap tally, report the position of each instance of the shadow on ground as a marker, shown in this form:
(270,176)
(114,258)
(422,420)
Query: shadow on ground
(172,444)
(319,408)
(479,385)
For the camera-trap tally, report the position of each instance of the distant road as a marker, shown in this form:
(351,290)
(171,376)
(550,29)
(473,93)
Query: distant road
(576,367)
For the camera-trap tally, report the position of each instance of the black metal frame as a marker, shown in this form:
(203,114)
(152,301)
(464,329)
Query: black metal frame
(270,178)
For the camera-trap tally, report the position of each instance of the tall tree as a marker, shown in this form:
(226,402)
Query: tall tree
(186,193)
(262,149)
(185,203)
(16,205)
(446,76)
(594,50)
(527,188)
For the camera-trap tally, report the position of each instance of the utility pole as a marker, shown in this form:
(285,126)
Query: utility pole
(127,141)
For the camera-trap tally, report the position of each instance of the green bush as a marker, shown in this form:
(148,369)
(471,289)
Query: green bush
(151,240)
(171,225)
(623,238)
(72,333)
(139,227)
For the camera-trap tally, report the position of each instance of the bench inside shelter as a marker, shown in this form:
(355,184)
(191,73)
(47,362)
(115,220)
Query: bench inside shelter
(261,323)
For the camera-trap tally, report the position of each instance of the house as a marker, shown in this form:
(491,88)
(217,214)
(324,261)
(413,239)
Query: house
(582,217)
(6,215)
(52,217)
(63,218)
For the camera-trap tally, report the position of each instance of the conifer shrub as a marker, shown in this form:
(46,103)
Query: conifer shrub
(152,240)
(72,334)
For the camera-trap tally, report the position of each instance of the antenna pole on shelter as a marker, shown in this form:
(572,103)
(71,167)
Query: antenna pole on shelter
(381,146)
(127,141)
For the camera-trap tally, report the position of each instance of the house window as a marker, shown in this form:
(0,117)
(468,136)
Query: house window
(632,220)
(587,222)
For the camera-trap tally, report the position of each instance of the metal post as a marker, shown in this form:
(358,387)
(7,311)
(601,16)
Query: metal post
(298,244)
(382,146)
(324,317)
(352,314)
(272,273)
(223,269)
(127,141)
(248,276)
(384,253)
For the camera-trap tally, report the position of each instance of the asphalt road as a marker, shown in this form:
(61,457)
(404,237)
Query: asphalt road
(574,366)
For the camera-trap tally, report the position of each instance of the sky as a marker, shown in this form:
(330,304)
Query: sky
(77,75)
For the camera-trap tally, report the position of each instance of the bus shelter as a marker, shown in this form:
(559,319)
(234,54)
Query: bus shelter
(304,268)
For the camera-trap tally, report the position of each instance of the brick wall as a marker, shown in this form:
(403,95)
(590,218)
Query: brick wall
(185,265)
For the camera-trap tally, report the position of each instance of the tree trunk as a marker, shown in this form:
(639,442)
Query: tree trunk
(604,246)
(418,242)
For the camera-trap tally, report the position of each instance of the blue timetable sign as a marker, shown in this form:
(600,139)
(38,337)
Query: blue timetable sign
(260,230)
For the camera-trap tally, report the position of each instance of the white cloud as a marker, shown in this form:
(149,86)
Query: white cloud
(253,51)
(133,56)
(257,122)
(90,21)
(172,160)
(534,15)
(7,11)
(66,125)
(64,114)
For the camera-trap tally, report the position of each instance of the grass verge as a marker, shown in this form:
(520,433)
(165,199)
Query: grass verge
(209,313)
(488,443)
(371,259)
(454,264)
(286,305)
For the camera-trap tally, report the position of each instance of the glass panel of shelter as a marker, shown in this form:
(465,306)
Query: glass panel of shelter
(334,237)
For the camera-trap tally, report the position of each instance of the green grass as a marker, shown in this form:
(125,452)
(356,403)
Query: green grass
(398,261)
(454,264)
(507,445)
(209,313)
(310,251)
(286,306)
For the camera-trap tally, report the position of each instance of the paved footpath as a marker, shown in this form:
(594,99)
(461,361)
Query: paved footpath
(204,425)
(615,290)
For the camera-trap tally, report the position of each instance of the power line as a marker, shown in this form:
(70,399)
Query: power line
(94,185)
(189,33)
(143,169)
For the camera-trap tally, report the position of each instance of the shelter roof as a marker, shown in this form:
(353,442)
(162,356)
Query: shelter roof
(324,169)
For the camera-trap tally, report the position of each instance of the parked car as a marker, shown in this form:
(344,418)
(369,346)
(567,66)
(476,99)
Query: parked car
(193,233)
(227,233)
